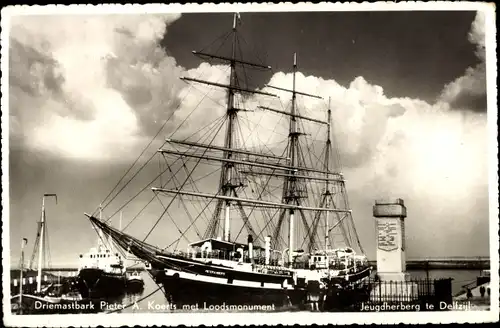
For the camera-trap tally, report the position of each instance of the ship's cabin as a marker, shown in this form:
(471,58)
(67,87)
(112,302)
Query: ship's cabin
(337,259)
(212,248)
(102,258)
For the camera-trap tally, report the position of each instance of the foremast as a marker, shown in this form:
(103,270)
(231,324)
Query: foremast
(228,188)
(228,183)
(293,170)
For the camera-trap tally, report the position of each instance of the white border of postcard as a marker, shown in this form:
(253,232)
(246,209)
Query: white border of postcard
(290,318)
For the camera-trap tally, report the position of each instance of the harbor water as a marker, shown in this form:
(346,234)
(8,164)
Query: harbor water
(150,301)
(152,298)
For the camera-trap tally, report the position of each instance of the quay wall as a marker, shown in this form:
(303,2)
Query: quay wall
(465,264)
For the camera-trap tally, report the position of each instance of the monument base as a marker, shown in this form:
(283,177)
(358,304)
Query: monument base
(393,276)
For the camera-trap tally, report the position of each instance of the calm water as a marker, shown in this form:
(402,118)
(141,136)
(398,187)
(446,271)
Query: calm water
(156,302)
(460,277)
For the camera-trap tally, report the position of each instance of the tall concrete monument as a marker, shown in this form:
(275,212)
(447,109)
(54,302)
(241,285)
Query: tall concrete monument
(391,255)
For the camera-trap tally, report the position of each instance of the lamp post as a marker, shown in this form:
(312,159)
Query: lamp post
(23,244)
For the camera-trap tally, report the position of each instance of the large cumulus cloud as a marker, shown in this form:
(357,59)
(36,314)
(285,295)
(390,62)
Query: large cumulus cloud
(81,86)
(468,92)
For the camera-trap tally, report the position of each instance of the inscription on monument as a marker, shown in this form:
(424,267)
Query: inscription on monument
(387,235)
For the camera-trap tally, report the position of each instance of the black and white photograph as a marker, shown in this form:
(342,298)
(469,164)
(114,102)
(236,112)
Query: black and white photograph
(276,163)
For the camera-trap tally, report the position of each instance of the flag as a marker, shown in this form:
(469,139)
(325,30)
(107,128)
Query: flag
(236,20)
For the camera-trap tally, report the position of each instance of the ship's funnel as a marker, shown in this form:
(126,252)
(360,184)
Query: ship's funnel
(268,249)
(239,251)
(250,248)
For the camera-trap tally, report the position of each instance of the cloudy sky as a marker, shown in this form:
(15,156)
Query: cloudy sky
(86,93)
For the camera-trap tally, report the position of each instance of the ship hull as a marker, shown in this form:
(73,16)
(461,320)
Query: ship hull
(347,293)
(351,277)
(208,293)
(135,286)
(193,283)
(202,285)
(94,282)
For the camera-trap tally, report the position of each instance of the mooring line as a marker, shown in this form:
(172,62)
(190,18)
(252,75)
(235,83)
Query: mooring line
(142,299)
(135,302)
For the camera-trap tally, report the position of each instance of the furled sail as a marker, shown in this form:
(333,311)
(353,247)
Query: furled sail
(132,245)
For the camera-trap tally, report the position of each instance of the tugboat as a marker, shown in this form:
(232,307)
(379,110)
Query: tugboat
(135,283)
(101,274)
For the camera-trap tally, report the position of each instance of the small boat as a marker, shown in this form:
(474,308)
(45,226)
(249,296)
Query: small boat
(30,298)
(101,274)
(135,283)
(53,299)
(48,296)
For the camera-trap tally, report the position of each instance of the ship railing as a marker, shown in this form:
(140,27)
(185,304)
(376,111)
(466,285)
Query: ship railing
(212,255)
(271,269)
(221,255)
(333,265)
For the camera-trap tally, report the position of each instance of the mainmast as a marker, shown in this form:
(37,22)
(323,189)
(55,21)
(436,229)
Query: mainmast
(292,193)
(327,184)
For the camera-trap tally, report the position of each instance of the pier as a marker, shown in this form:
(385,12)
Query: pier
(49,275)
(452,262)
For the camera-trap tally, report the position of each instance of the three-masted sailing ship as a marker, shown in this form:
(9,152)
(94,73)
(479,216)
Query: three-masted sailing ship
(293,186)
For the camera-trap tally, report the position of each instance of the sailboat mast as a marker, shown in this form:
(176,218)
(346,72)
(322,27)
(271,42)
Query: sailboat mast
(292,156)
(23,244)
(40,248)
(327,170)
(231,113)
(42,239)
